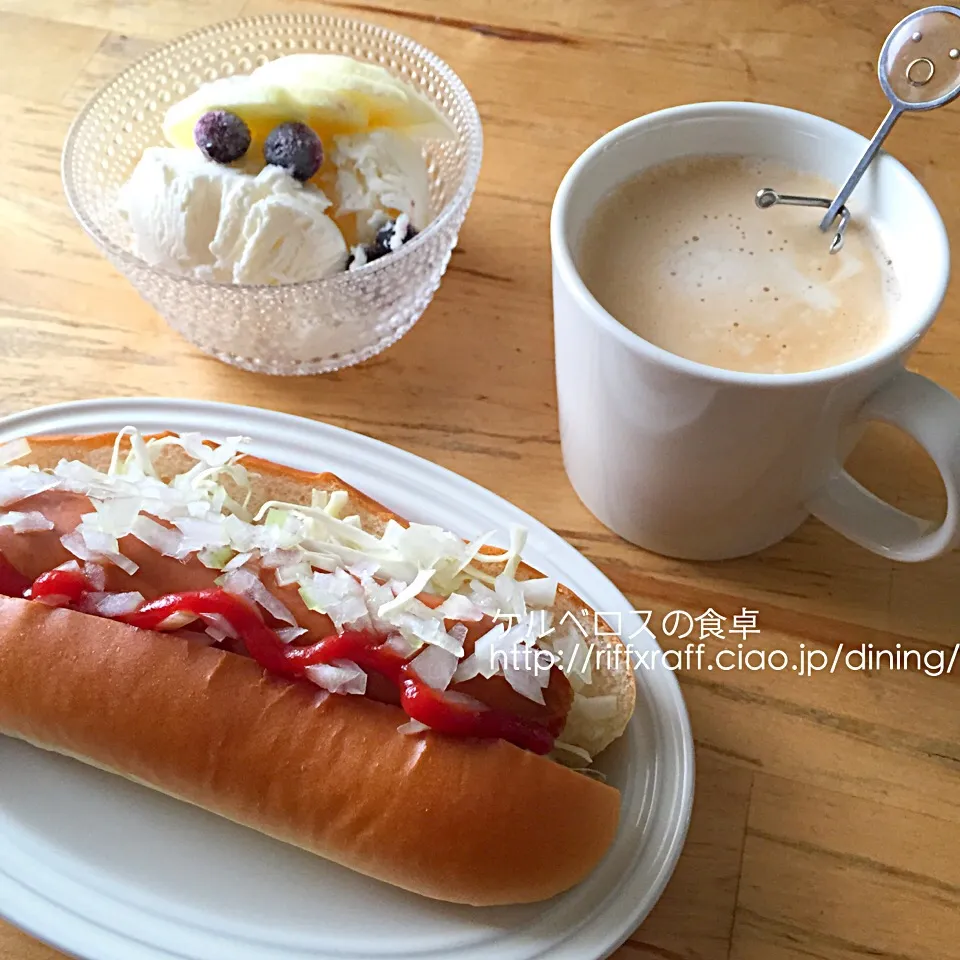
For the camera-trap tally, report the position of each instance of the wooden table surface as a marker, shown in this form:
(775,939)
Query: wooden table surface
(825,824)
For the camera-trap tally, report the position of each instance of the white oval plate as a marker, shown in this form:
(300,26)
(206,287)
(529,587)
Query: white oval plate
(108,870)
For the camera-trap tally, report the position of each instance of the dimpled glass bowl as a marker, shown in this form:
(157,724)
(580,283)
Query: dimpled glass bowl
(298,328)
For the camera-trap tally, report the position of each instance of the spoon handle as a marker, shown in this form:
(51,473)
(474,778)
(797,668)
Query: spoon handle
(893,114)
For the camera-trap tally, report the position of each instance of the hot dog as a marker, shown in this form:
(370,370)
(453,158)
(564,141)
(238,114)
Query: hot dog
(278,648)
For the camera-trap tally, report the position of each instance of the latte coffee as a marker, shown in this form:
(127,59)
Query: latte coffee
(682,256)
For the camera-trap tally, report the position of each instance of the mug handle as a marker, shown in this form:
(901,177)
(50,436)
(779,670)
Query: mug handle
(930,415)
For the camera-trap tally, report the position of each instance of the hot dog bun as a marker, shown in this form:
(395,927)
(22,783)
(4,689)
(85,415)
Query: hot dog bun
(469,821)
(611,674)
(476,822)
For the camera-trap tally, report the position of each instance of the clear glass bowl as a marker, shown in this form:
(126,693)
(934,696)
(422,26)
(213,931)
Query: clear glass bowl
(297,328)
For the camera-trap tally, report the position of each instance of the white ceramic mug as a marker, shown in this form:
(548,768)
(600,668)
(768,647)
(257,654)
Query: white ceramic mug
(702,463)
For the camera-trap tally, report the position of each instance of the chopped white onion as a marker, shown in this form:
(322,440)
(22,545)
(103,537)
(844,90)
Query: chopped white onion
(79,472)
(412,727)
(525,682)
(115,516)
(244,583)
(237,562)
(490,649)
(336,594)
(484,598)
(73,567)
(275,559)
(467,669)
(119,560)
(400,644)
(201,533)
(540,593)
(14,450)
(435,666)
(341,676)
(285,576)
(375,595)
(502,650)
(176,620)
(98,541)
(459,607)
(156,535)
(54,600)
(219,626)
(289,634)
(31,522)
(111,604)
(76,545)
(216,634)
(426,630)
(363,569)
(18,483)
(213,558)
(96,575)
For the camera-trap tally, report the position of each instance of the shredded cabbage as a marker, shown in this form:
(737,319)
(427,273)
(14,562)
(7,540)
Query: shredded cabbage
(359,578)
(410,592)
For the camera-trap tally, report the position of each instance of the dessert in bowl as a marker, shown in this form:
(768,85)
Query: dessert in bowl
(285,190)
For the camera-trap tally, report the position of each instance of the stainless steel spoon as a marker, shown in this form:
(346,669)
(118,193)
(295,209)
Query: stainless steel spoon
(919,69)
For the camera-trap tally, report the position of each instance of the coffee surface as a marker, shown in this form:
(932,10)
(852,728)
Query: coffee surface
(682,256)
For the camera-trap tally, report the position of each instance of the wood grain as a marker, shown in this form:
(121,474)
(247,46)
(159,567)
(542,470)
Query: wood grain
(825,825)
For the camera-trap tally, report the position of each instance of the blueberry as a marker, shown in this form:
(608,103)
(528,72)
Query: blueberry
(386,239)
(381,245)
(296,148)
(222,136)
